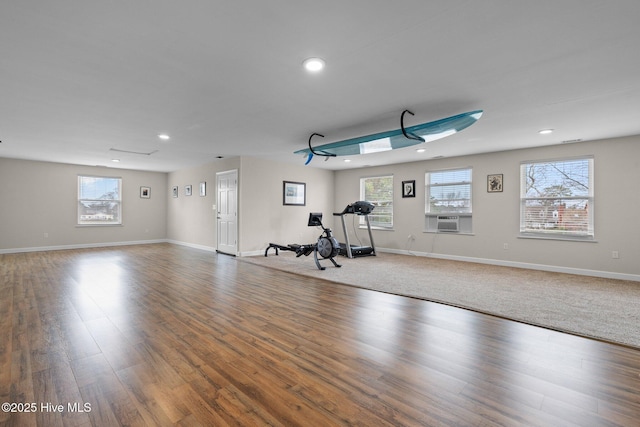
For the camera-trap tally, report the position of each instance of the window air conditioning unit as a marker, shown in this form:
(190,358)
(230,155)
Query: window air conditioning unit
(448,223)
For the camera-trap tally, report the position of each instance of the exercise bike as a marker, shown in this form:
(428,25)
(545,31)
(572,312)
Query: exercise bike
(327,246)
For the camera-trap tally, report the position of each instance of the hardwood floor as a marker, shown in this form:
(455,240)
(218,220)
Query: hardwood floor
(168,335)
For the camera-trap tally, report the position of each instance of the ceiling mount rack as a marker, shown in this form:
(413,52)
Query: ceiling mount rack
(409,135)
(312,152)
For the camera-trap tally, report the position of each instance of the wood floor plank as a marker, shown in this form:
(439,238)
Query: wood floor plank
(7,333)
(105,410)
(168,335)
(116,348)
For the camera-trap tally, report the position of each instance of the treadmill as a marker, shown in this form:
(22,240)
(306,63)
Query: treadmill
(347,249)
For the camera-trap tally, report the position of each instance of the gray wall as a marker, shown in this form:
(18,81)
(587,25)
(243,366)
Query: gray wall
(264,218)
(40,197)
(191,219)
(496,215)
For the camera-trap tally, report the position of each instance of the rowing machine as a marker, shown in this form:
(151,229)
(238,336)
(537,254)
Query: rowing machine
(327,245)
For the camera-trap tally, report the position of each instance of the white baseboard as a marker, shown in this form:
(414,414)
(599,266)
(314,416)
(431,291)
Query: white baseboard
(542,267)
(104,245)
(192,245)
(252,253)
(80,246)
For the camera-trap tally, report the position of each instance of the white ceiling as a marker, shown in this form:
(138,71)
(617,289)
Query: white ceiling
(225,78)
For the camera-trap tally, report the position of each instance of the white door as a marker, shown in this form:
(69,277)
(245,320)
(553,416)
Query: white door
(227,212)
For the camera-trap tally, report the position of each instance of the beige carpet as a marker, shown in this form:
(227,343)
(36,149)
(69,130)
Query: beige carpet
(604,309)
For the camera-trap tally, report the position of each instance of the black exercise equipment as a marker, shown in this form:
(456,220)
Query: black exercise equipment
(327,245)
(351,251)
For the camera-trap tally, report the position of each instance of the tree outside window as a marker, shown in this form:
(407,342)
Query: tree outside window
(378,191)
(557,198)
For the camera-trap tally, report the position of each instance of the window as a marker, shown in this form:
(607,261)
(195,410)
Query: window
(378,191)
(556,198)
(449,191)
(99,200)
(448,200)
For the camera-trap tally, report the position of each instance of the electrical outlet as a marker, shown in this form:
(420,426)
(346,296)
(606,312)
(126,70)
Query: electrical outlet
(615,254)
(505,246)
(46,235)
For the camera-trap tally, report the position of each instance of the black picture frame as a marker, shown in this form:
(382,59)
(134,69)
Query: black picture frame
(409,188)
(494,183)
(294,193)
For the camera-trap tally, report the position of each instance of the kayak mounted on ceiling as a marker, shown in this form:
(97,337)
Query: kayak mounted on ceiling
(393,139)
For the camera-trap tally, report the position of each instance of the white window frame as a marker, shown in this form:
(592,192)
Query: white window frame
(552,224)
(98,219)
(462,215)
(383,207)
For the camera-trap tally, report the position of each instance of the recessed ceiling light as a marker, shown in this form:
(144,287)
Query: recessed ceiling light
(545,131)
(115,160)
(421,150)
(313,65)
(164,137)
(347,160)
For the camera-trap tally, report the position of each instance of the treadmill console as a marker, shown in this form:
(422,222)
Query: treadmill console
(357,208)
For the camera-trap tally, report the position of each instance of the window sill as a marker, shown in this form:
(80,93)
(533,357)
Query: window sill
(97,225)
(459,233)
(561,238)
(364,227)
(465,214)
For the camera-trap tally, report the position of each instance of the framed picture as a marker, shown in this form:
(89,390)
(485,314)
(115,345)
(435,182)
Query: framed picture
(203,189)
(175,191)
(409,188)
(187,190)
(145,192)
(294,193)
(494,183)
